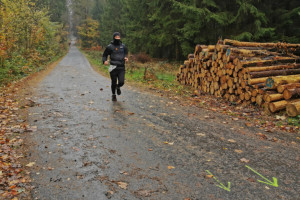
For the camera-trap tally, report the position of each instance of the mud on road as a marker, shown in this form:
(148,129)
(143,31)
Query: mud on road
(146,146)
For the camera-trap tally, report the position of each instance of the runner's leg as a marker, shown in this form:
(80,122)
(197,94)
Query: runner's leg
(114,77)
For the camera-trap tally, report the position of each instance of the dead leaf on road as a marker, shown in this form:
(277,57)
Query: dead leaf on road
(209,176)
(144,193)
(247,124)
(122,185)
(238,151)
(76,149)
(244,160)
(232,141)
(171,167)
(30,164)
(262,136)
(201,134)
(251,180)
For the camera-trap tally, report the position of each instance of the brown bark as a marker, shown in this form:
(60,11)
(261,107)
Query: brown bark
(278,105)
(274,67)
(259,99)
(281,88)
(257,44)
(259,63)
(190,56)
(289,93)
(293,109)
(273,82)
(257,80)
(283,72)
(273,97)
(199,48)
(247,95)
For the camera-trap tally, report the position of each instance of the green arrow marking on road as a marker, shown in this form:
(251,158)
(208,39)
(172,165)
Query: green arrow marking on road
(221,185)
(274,183)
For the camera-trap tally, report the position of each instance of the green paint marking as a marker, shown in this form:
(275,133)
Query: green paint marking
(274,183)
(221,185)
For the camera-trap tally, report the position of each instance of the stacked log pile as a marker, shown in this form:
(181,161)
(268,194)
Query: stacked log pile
(266,74)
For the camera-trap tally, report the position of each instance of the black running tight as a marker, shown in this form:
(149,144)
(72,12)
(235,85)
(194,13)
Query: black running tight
(117,79)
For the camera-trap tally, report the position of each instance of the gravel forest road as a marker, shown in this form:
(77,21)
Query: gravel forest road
(147,146)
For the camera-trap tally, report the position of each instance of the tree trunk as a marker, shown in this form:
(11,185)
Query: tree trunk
(283,72)
(278,105)
(257,80)
(275,67)
(273,82)
(273,97)
(293,109)
(259,99)
(259,63)
(257,44)
(281,88)
(289,93)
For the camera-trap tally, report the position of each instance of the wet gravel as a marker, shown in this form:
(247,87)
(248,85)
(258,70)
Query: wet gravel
(146,146)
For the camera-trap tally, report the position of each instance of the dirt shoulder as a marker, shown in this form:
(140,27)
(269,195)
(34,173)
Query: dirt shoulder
(14,103)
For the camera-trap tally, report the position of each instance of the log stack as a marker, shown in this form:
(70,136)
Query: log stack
(266,74)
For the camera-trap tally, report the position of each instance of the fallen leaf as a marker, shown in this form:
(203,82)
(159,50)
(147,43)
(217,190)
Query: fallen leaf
(150,149)
(267,187)
(171,143)
(144,193)
(101,89)
(130,113)
(123,172)
(251,180)
(235,119)
(232,141)
(262,136)
(122,185)
(244,160)
(76,149)
(30,164)
(238,151)
(248,124)
(280,117)
(171,167)
(166,142)
(209,176)
(201,134)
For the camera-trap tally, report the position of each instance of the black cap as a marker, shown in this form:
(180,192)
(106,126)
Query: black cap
(115,34)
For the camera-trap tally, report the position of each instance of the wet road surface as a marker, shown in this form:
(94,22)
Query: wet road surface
(146,146)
